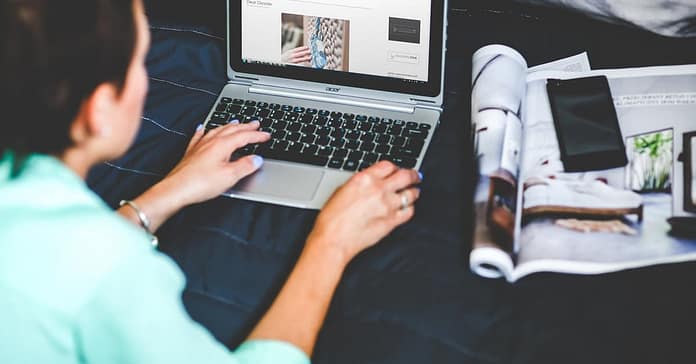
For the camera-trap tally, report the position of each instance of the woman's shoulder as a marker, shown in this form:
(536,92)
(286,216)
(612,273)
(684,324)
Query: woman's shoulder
(60,255)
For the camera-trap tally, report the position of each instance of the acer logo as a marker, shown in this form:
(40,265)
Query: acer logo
(333,89)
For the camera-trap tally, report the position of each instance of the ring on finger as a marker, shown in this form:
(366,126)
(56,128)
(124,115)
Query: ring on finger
(404,201)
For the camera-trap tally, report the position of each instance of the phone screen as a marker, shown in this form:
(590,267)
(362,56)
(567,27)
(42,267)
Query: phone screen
(586,124)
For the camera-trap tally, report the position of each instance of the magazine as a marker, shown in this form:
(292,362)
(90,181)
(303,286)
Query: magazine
(531,216)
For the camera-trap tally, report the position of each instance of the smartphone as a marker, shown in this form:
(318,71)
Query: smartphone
(586,124)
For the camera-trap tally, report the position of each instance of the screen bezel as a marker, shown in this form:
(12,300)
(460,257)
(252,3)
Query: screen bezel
(432,88)
(688,172)
(599,160)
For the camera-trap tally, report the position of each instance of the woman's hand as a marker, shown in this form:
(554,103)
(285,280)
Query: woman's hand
(367,208)
(205,171)
(299,55)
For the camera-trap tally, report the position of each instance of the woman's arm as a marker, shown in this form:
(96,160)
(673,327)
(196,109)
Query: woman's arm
(360,214)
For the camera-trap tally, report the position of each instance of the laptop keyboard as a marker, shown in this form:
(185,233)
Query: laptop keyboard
(325,138)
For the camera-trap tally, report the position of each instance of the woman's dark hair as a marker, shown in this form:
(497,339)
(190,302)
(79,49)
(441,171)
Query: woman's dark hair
(53,55)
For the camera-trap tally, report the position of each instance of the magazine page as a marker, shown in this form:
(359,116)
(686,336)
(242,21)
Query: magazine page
(498,92)
(656,108)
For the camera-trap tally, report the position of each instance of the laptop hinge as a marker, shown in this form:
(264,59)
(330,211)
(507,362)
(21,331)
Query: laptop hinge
(427,104)
(314,96)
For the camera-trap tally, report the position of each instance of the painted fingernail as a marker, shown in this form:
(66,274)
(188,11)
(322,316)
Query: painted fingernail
(199,127)
(420,175)
(235,121)
(257,160)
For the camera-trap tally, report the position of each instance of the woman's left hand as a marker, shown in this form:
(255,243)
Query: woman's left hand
(205,171)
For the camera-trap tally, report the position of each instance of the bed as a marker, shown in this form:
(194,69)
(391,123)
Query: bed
(412,298)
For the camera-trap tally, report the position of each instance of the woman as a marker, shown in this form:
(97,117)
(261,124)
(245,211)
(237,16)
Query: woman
(78,283)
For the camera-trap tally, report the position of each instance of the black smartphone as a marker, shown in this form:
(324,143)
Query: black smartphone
(586,124)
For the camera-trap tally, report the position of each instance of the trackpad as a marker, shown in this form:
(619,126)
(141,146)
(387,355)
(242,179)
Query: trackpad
(282,181)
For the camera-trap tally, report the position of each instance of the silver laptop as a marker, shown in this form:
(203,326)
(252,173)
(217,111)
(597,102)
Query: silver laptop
(340,85)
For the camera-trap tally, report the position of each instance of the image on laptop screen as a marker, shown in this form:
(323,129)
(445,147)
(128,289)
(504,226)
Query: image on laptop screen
(387,38)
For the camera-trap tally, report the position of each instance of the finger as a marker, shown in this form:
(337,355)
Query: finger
(382,169)
(404,199)
(232,128)
(403,216)
(242,138)
(197,136)
(302,51)
(244,167)
(402,179)
(236,128)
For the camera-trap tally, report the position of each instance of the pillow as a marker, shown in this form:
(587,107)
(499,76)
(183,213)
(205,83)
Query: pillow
(675,18)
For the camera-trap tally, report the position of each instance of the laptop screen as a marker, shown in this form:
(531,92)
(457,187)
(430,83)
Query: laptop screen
(389,45)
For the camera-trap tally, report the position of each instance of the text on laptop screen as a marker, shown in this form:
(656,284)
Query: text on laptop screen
(387,38)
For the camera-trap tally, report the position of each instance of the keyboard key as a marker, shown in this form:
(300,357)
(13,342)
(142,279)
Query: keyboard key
(349,116)
(405,152)
(383,149)
(310,149)
(335,123)
(278,115)
(307,118)
(266,123)
(286,108)
(398,141)
(338,133)
(325,151)
(221,107)
(309,129)
(411,125)
(281,145)
(365,126)
(233,109)
(303,158)
(353,135)
(402,162)
(279,125)
(249,111)
(263,113)
(295,147)
(221,115)
(299,109)
(323,140)
(364,165)
(352,144)
(340,154)
(291,116)
(355,156)
(274,107)
(424,127)
(336,163)
(250,103)
(379,128)
(279,134)
(399,123)
(367,147)
(361,118)
(338,142)
(350,124)
(324,113)
(383,139)
(371,157)
(211,126)
(421,134)
(308,139)
(323,131)
(321,120)
(262,105)
(416,144)
(294,137)
(367,137)
(350,165)
(395,130)
(374,119)
(294,127)
(312,111)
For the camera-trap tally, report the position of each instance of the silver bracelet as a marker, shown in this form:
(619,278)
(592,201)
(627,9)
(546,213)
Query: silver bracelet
(144,221)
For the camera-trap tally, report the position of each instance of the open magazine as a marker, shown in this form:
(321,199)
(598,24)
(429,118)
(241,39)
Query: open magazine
(534,217)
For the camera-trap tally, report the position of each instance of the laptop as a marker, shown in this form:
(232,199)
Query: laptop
(339,84)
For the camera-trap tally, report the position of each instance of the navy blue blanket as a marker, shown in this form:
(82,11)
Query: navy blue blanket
(412,298)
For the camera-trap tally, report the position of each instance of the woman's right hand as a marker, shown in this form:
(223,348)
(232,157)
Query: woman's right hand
(367,208)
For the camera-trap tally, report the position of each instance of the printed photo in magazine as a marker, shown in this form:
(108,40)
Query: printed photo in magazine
(534,217)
